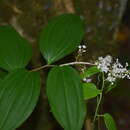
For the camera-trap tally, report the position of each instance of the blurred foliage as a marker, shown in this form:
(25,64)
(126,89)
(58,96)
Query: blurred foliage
(103,19)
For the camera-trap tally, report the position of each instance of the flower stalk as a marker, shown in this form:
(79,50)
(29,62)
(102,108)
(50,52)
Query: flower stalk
(99,101)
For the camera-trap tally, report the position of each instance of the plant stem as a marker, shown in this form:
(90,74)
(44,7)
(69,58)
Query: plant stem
(97,108)
(77,63)
(100,115)
(42,67)
(66,64)
(99,101)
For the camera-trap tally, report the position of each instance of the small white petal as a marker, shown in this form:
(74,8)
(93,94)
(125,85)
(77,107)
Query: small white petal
(79,46)
(84,46)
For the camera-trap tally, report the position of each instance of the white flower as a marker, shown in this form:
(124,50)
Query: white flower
(79,46)
(118,70)
(113,70)
(84,46)
(82,49)
(87,80)
(110,78)
(104,63)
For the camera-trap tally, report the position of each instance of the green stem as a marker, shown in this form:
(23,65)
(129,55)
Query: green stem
(99,101)
(100,115)
(66,64)
(77,63)
(97,108)
(42,67)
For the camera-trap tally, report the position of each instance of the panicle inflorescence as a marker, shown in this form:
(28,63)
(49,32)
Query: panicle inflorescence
(114,70)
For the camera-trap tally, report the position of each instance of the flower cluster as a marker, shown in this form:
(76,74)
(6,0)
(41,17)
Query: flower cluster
(114,70)
(104,63)
(82,48)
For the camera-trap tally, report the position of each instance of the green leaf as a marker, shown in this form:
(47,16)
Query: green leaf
(64,90)
(61,36)
(90,91)
(90,71)
(15,51)
(19,92)
(109,121)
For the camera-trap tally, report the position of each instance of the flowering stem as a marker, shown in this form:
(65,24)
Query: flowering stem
(42,67)
(100,115)
(98,102)
(77,63)
(66,64)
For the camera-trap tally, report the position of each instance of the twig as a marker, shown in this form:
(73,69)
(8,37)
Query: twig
(42,67)
(77,63)
(66,64)
(99,101)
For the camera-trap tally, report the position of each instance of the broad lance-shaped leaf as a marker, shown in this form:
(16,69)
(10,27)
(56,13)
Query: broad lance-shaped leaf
(109,121)
(19,92)
(90,71)
(90,90)
(15,51)
(64,90)
(61,36)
